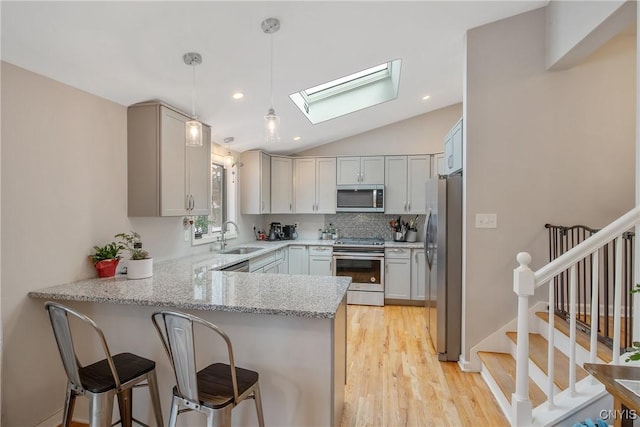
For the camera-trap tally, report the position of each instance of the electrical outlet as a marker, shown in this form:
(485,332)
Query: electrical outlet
(296,224)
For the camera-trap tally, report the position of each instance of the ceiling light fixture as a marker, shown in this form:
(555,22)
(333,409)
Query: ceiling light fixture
(193,128)
(229,160)
(271,120)
(238,95)
(296,138)
(424,98)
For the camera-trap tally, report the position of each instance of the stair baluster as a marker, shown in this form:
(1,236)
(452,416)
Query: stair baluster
(526,281)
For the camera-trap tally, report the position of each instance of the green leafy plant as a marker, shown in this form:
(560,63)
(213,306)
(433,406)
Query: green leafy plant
(132,242)
(108,251)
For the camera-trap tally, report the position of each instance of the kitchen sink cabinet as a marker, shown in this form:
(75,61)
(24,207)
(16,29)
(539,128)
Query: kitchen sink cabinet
(360,170)
(281,185)
(166,178)
(315,185)
(298,260)
(255,183)
(406,184)
(397,281)
(320,261)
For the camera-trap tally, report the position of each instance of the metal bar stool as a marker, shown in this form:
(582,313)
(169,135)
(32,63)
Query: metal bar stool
(101,381)
(214,390)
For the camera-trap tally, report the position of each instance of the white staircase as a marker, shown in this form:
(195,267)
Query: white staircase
(532,366)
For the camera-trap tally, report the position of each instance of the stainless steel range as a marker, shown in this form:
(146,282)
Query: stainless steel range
(362,259)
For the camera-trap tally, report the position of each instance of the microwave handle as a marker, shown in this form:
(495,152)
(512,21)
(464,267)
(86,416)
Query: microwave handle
(375,199)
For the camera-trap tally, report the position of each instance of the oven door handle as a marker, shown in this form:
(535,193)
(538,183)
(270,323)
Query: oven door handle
(356,255)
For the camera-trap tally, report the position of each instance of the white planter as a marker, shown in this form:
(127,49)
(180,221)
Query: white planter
(140,268)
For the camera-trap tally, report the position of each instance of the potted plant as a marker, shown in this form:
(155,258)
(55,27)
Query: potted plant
(140,264)
(106,258)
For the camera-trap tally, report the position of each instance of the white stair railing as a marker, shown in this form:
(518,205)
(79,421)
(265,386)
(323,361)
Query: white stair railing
(526,281)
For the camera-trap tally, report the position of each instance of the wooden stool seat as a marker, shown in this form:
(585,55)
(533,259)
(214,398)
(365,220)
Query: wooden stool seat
(215,386)
(97,377)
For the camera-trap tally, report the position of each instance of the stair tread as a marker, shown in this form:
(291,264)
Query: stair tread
(503,370)
(583,339)
(538,353)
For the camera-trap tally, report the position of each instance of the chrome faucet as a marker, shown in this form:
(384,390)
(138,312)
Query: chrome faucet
(224,229)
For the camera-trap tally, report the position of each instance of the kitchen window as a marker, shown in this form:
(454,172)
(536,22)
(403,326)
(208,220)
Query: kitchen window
(206,229)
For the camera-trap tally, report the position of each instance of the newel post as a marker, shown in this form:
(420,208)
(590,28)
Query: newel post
(523,286)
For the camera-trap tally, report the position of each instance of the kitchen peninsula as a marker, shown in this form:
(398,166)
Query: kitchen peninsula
(289,328)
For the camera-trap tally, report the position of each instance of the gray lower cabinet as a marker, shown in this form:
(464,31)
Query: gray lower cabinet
(298,260)
(320,261)
(397,280)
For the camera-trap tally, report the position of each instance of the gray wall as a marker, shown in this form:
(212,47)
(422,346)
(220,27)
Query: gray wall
(540,147)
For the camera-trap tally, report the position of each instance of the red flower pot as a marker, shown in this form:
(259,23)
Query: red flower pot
(107,267)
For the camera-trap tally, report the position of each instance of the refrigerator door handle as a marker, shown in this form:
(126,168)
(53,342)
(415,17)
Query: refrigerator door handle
(428,246)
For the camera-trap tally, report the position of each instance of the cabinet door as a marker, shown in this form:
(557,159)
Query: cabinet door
(199,173)
(251,183)
(418,275)
(272,268)
(438,165)
(265,183)
(320,266)
(395,185)
(173,164)
(418,172)
(298,260)
(397,280)
(325,185)
(372,170)
(348,170)
(453,149)
(281,185)
(304,182)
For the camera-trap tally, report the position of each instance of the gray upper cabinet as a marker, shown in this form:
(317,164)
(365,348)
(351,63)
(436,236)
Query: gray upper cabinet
(360,170)
(315,185)
(406,184)
(255,183)
(281,185)
(165,177)
(453,149)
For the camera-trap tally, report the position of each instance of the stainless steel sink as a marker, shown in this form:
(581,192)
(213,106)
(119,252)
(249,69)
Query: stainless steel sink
(239,251)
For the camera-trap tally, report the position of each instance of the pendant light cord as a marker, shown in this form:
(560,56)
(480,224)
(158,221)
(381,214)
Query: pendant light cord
(193,93)
(271,69)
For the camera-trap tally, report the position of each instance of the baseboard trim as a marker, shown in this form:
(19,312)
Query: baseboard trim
(55,420)
(465,365)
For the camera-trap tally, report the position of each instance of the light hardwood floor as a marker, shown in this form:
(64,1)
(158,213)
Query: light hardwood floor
(394,377)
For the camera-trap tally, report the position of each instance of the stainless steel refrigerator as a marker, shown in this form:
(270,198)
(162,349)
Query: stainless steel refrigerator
(443,252)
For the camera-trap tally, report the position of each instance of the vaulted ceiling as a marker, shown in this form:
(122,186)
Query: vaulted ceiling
(130,52)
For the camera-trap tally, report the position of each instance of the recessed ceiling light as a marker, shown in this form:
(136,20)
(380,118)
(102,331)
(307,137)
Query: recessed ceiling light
(424,98)
(238,95)
(296,138)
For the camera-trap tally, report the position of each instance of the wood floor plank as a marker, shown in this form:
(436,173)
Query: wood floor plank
(394,377)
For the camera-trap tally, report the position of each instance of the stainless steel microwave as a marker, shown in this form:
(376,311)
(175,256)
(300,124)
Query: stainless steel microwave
(360,198)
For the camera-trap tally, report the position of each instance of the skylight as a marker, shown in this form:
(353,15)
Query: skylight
(350,93)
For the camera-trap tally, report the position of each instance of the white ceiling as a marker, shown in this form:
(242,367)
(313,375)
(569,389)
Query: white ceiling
(130,52)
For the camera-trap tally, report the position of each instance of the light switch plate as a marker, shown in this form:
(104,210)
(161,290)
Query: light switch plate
(486,220)
(187,235)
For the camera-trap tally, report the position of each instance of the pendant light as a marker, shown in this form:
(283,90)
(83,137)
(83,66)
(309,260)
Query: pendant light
(193,128)
(271,120)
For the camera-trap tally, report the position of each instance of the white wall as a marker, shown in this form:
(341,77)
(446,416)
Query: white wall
(422,134)
(541,147)
(64,189)
(577,28)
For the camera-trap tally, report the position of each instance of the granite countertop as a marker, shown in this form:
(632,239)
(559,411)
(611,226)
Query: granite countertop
(190,283)
(194,283)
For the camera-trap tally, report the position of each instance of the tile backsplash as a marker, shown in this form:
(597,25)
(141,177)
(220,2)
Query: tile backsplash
(367,224)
